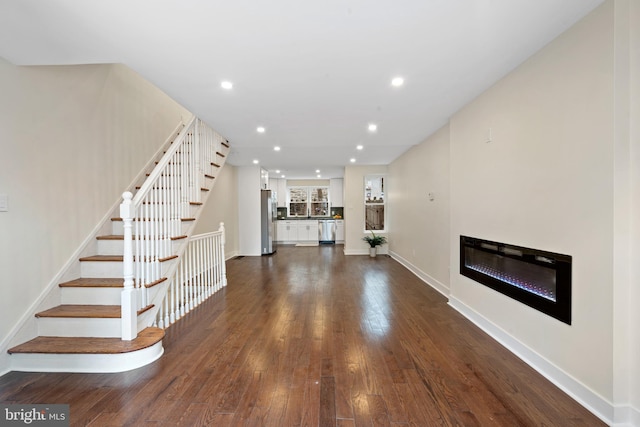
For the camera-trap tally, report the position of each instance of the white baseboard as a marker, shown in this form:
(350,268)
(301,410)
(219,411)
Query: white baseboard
(435,284)
(626,416)
(592,401)
(362,252)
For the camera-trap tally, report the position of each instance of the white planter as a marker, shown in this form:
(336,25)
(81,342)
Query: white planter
(372,252)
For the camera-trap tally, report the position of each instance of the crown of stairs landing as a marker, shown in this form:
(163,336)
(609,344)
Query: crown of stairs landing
(84,332)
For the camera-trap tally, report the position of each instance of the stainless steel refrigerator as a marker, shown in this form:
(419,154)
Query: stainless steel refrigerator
(268,215)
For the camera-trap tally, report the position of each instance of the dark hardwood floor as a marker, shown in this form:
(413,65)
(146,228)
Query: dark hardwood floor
(313,338)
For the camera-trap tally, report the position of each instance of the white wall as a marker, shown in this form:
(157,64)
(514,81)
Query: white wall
(222,206)
(249,239)
(627,298)
(354,209)
(634,136)
(72,139)
(545,181)
(419,226)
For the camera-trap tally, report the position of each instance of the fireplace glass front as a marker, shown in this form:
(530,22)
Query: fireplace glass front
(539,279)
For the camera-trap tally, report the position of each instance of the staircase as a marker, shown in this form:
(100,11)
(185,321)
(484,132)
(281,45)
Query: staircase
(87,331)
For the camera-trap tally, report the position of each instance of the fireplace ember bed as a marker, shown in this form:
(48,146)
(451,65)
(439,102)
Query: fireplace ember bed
(539,279)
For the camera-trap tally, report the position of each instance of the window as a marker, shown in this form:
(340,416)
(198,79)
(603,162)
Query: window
(308,201)
(298,201)
(374,203)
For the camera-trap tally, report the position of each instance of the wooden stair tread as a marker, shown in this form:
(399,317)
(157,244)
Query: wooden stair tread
(102,258)
(91,282)
(90,311)
(77,345)
(111,237)
(103,283)
(117,258)
(83,311)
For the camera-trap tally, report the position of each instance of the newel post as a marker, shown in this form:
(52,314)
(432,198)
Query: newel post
(224,264)
(128,298)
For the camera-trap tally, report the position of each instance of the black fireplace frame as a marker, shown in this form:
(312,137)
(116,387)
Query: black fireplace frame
(560,308)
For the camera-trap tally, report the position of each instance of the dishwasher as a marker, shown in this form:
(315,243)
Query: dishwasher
(327,231)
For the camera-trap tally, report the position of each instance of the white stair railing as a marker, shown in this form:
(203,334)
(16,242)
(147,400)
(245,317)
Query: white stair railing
(153,218)
(200,274)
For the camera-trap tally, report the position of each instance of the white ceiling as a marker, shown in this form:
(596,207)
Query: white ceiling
(314,74)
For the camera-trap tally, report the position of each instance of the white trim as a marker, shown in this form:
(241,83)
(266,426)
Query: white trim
(434,283)
(588,398)
(626,416)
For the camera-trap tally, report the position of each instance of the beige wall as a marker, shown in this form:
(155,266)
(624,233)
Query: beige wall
(423,246)
(222,206)
(545,181)
(354,208)
(72,140)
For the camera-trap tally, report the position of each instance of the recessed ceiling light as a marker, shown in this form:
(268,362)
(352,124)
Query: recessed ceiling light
(359,147)
(352,160)
(226,85)
(276,148)
(282,176)
(317,170)
(397,81)
(319,176)
(260,129)
(277,170)
(372,127)
(255,162)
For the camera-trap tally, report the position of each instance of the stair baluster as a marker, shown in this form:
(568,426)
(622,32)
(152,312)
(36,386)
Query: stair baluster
(157,212)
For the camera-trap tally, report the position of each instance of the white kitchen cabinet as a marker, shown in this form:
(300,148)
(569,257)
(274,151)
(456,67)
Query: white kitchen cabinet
(282,192)
(307,231)
(336,192)
(339,231)
(297,231)
(287,231)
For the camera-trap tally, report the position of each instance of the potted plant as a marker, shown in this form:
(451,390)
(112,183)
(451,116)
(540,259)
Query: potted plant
(374,241)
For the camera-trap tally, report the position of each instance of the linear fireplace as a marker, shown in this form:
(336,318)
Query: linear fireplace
(539,279)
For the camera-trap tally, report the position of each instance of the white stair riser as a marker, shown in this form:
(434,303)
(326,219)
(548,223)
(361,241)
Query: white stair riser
(79,327)
(101,269)
(86,363)
(117,227)
(188,211)
(110,247)
(91,296)
(158,194)
(116,247)
(105,269)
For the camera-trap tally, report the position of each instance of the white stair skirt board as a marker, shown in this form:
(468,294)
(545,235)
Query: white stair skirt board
(86,363)
(308,244)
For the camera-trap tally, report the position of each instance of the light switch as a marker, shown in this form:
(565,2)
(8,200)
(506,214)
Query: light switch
(4,203)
